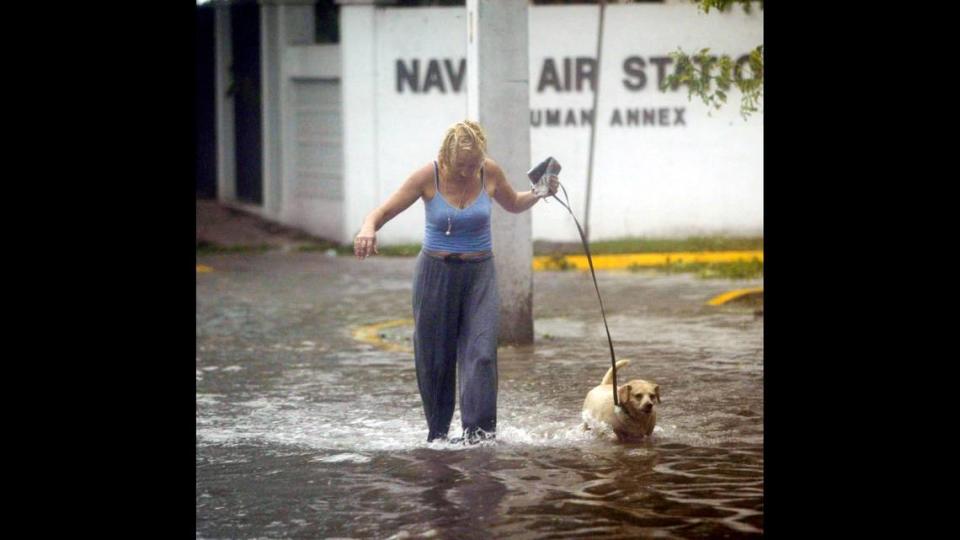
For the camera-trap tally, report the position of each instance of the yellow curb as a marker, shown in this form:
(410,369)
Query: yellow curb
(626,260)
(733,295)
(370,334)
(203,269)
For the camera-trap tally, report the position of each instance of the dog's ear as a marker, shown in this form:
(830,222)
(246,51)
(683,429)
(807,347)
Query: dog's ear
(656,392)
(623,394)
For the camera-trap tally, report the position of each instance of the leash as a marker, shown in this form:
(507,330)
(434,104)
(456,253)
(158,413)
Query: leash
(586,248)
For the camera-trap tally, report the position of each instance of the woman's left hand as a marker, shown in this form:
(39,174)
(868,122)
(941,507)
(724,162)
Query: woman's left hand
(553,184)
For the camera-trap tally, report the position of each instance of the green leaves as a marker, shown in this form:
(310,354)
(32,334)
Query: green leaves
(709,78)
(723,5)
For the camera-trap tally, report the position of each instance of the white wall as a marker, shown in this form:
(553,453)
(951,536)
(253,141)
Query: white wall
(410,126)
(313,140)
(702,177)
(705,176)
(359,90)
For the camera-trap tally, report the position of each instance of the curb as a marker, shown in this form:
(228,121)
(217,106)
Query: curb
(627,260)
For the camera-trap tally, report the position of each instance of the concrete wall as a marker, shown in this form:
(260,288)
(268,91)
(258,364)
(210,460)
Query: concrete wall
(301,120)
(686,172)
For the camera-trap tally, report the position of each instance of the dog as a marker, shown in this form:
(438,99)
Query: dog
(636,416)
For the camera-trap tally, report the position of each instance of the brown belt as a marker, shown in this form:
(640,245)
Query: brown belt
(476,256)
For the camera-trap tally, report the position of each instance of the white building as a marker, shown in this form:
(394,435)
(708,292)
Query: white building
(316,135)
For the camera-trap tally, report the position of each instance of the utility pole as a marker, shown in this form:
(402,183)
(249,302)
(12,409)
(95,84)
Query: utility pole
(498,97)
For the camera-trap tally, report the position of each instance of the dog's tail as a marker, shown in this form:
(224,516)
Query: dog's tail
(608,378)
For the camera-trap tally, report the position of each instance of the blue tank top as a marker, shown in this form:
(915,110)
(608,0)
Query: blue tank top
(451,229)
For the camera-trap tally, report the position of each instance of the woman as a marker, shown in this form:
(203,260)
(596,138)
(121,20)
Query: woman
(455,299)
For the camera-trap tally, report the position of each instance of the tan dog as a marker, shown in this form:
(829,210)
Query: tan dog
(636,417)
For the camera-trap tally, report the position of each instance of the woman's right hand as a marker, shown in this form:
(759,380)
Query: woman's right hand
(365,244)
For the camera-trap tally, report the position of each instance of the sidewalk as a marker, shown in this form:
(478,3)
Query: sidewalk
(219,226)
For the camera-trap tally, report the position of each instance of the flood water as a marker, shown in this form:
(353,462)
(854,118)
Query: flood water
(305,432)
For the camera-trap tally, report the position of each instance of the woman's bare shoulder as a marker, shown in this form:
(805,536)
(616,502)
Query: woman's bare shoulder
(493,171)
(422,178)
(491,165)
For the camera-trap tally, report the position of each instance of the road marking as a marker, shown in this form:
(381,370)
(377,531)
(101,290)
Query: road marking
(370,334)
(203,269)
(733,295)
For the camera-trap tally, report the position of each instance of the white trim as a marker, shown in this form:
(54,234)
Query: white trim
(270,112)
(226,136)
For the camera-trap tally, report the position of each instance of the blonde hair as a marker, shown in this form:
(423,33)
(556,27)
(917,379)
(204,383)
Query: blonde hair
(466,137)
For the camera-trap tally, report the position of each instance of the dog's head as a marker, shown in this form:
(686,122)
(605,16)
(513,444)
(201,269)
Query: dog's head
(638,397)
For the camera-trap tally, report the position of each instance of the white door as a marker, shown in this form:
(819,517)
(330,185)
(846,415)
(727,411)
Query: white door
(315,199)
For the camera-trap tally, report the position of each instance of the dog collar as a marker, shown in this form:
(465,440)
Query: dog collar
(618,409)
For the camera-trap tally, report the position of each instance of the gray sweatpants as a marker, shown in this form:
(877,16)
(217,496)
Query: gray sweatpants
(456,311)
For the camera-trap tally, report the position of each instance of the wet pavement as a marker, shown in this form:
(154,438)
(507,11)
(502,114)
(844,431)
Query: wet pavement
(305,432)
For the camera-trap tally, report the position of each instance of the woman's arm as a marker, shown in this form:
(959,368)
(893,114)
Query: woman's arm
(510,199)
(365,244)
